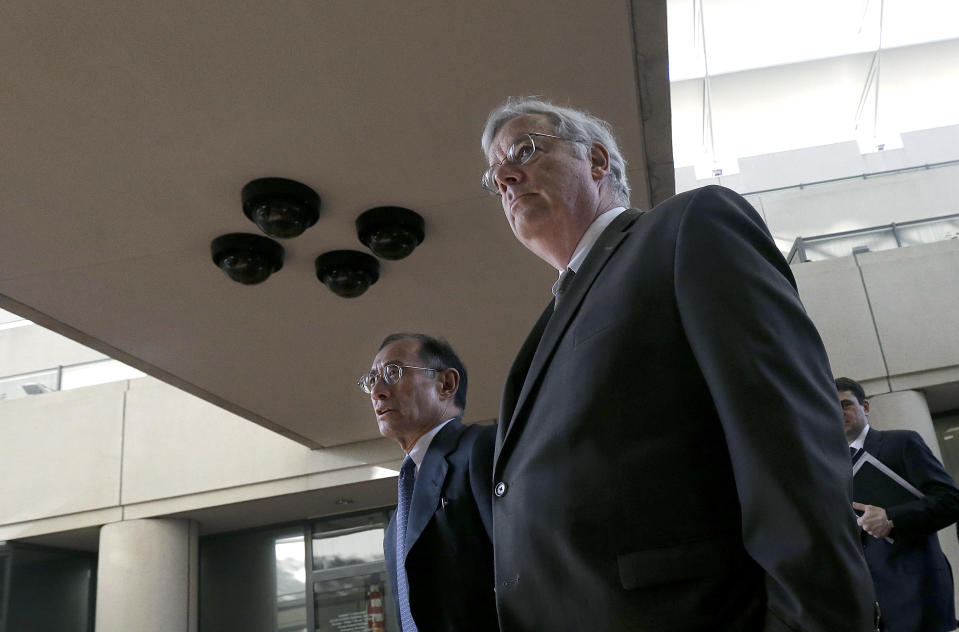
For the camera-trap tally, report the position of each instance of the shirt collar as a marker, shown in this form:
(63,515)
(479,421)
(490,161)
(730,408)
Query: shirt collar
(418,451)
(590,236)
(861,439)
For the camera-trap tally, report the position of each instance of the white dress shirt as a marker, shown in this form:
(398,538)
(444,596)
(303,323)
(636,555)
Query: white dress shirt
(860,440)
(418,451)
(590,236)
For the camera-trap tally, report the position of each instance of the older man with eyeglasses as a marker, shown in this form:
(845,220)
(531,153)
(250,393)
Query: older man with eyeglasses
(669,455)
(438,546)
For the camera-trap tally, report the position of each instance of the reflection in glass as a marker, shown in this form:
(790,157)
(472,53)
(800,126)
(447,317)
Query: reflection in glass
(290,584)
(349,540)
(351,592)
(351,604)
(348,549)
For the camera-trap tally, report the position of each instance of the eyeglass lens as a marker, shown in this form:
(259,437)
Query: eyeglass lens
(390,374)
(519,153)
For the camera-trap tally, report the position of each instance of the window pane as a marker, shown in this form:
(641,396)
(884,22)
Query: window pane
(947,431)
(351,604)
(350,588)
(348,550)
(348,541)
(290,584)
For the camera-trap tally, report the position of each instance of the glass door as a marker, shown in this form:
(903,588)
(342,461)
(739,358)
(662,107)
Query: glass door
(351,591)
(352,599)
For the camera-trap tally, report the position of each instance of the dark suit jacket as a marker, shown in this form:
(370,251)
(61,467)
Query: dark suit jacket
(670,453)
(449,564)
(912,576)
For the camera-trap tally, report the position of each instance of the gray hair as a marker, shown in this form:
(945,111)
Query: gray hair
(569,123)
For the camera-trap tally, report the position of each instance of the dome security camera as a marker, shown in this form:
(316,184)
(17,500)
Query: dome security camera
(280,207)
(391,232)
(246,258)
(347,273)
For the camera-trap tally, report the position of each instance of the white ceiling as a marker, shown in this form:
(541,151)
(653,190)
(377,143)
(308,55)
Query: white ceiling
(128,130)
(749,34)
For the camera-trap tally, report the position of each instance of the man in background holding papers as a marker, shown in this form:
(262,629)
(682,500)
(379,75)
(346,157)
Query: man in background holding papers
(911,574)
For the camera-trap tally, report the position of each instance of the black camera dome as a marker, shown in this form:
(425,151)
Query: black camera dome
(246,258)
(280,207)
(391,232)
(348,273)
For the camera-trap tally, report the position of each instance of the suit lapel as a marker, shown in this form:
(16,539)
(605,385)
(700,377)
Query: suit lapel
(429,480)
(554,325)
(873,442)
(517,375)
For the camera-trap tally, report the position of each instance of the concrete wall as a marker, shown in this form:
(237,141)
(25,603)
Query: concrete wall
(888,319)
(60,454)
(141,448)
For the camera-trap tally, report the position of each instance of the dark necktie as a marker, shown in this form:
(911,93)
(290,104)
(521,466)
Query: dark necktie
(562,284)
(852,452)
(405,494)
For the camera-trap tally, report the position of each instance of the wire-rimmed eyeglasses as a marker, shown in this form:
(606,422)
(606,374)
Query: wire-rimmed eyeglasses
(390,373)
(519,152)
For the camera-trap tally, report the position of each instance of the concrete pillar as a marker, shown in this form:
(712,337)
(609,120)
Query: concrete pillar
(904,410)
(907,410)
(147,576)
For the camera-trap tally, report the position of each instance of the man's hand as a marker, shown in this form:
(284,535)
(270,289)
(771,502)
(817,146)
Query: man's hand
(873,520)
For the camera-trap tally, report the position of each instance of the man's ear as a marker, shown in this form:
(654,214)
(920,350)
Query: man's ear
(865,406)
(599,161)
(449,383)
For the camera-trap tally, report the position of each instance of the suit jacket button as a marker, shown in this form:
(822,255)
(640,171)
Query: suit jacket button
(500,489)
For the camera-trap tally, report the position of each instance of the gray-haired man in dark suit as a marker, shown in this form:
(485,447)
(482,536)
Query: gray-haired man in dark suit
(669,454)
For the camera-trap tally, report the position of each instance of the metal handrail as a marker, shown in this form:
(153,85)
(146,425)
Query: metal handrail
(16,376)
(48,380)
(799,245)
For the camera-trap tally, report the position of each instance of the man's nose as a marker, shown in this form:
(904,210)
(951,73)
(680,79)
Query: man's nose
(507,174)
(379,390)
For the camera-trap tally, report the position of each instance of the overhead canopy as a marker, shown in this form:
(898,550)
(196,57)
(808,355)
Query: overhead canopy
(129,130)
